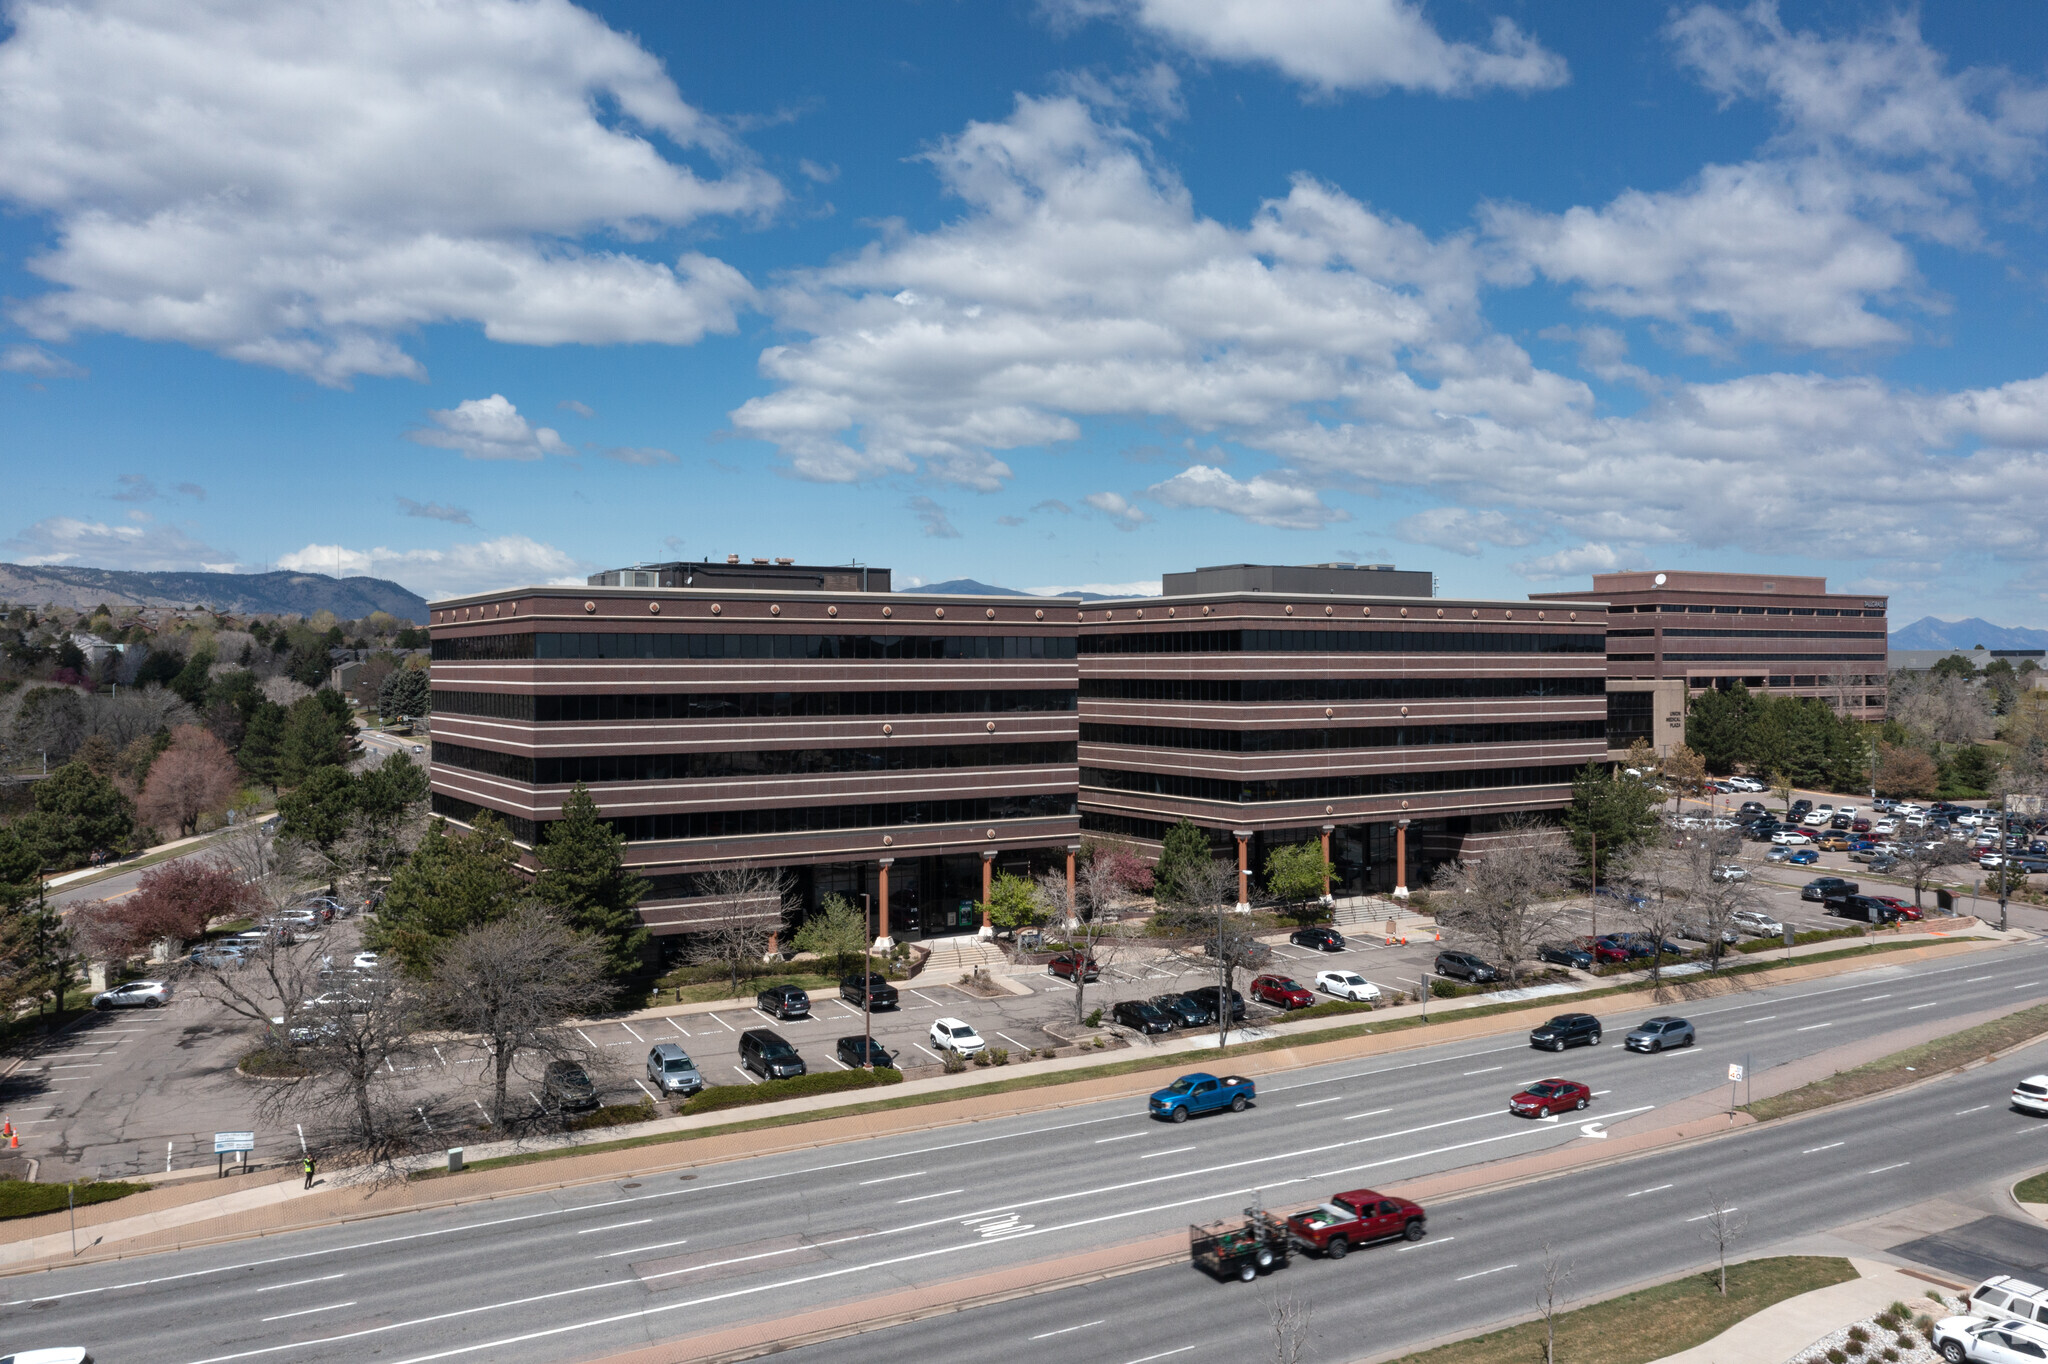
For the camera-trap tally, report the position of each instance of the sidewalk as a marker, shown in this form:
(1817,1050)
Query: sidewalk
(135,863)
(1783,1329)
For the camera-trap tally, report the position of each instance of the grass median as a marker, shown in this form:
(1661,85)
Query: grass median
(1206,1057)
(1651,1323)
(1914,1063)
(20,1198)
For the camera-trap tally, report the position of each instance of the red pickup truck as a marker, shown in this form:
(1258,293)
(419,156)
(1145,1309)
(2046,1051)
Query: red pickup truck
(1354,1218)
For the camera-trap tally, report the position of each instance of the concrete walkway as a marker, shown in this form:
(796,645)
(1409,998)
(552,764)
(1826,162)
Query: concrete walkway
(1782,1330)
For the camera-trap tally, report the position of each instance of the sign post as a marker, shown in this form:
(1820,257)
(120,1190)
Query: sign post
(238,1142)
(1736,1071)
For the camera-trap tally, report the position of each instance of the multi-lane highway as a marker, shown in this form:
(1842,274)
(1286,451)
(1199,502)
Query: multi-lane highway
(596,1269)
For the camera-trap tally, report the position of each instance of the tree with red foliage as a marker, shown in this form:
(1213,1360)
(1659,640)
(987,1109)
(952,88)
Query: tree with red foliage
(195,776)
(176,900)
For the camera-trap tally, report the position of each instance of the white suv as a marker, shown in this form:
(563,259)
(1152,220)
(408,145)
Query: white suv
(2002,1297)
(1346,985)
(136,994)
(2031,1095)
(950,1034)
(1994,1342)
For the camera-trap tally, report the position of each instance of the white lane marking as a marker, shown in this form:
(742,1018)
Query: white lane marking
(1423,1245)
(919,1198)
(1659,1189)
(1598,1092)
(927,1051)
(1174,1151)
(1125,1137)
(1974,979)
(1978,1109)
(890,1179)
(2028,986)
(1811,1026)
(1483,1273)
(1929,1005)
(1765,1019)
(1164,1354)
(1705,1215)
(616,1226)
(86,1066)
(839,1063)
(1353,1117)
(301,1283)
(721,1023)
(926,998)
(642,1250)
(678,1027)
(1065,1329)
(1829,1147)
(1311,1103)
(309,1311)
(1011,1040)
(585,1036)
(1872,999)
(629,1028)
(648,1092)
(1882,1168)
(1487,1070)
(748,1078)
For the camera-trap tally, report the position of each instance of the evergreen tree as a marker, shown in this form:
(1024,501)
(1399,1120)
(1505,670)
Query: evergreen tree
(584,877)
(1717,727)
(1608,815)
(195,677)
(319,810)
(262,749)
(405,692)
(451,884)
(1185,849)
(318,732)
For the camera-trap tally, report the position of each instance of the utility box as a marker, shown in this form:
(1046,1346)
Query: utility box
(454,1160)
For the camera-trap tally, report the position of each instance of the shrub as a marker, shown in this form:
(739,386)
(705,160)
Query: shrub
(954,1063)
(1899,1310)
(768,1091)
(273,1063)
(1837,1357)
(981,1058)
(1858,1334)
(613,1115)
(999,1056)
(1854,1348)
(1891,1356)
(1906,1340)
(1094,1019)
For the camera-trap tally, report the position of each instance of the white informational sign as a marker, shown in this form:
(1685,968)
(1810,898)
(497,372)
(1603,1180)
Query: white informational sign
(1734,1072)
(233,1141)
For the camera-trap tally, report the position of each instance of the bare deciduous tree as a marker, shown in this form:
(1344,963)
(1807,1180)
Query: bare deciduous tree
(276,871)
(745,905)
(1723,1226)
(1557,1276)
(1713,900)
(1924,862)
(1222,941)
(510,986)
(1091,924)
(1949,710)
(1508,902)
(1650,883)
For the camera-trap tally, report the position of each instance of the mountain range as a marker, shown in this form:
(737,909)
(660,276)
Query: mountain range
(241,594)
(1930,632)
(968,587)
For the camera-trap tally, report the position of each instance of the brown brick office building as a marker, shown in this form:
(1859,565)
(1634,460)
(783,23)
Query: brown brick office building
(777,714)
(1394,723)
(1671,634)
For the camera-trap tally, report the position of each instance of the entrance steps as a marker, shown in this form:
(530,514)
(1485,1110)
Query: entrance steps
(958,956)
(1366,916)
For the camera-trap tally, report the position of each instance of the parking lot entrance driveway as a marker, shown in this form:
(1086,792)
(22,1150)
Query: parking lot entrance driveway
(1979,1249)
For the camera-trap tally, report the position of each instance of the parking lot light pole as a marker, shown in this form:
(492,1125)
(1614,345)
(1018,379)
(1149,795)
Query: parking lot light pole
(2004,859)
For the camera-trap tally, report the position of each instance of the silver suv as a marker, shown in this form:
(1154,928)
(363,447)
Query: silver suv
(672,1070)
(1659,1034)
(1756,923)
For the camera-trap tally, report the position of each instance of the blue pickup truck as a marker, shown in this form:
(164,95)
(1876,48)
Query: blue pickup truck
(1202,1093)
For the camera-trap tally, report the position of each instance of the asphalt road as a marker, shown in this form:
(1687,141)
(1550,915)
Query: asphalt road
(595,1269)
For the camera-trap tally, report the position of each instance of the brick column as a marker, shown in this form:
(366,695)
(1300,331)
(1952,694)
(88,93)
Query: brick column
(1400,859)
(1072,912)
(988,862)
(1244,873)
(882,940)
(1328,829)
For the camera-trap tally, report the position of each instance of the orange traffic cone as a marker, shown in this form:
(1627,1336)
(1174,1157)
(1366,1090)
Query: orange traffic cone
(14,1140)
(6,1127)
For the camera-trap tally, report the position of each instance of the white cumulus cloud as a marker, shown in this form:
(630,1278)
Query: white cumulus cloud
(299,185)
(476,566)
(1119,509)
(490,428)
(143,543)
(1462,530)
(1263,499)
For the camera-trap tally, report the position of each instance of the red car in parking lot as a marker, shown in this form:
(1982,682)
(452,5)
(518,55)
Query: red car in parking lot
(1547,1097)
(1604,950)
(1281,991)
(1063,967)
(1903,908)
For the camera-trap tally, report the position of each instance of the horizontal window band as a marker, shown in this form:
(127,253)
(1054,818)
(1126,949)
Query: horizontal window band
(1322,690)
(1335,738)
(765,705)
(544,646)
(1322,788)
(600,768)
(1335,641)
(789,820)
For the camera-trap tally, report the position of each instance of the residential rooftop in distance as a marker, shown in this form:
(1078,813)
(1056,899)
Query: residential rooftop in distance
(768,575)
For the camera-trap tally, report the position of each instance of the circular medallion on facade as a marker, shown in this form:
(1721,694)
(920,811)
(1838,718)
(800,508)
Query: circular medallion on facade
(589,606)
(1289,610)
(888,611)
(990,613)
(991,833)
(1038,615)
(1475,613)
(1439,613)
(774,610)
(654,608)
(939,611)
(1404,710)
(1141,613)
(1404,805)
(888,729)
(1575,615)
(1329,809)
(1205,610)
(1329,610)
(1404,613)
(888,842)
(991,726)
(1539,615)
(716,609)
(1329,714)
(831,610)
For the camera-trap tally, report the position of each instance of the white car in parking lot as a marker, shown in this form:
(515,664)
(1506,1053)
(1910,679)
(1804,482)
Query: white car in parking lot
(136,994)
(950,1034)
(2000,1340)
(1346,985)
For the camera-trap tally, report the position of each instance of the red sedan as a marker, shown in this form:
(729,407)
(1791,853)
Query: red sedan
(1281,991)
(1063,966)
(1604,950)
(1903,908)
(1548,1097)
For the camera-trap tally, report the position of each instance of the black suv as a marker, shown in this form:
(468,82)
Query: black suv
(878,993)
(1751,807)
(1466,965)
(1827,887)
(565,1085)
(854,1051)
(783,1001)
(1566,1030)
(1863,908)
(1205,995)
(1321,939)
(1141,1017)
(1185,1010)
(769,1055)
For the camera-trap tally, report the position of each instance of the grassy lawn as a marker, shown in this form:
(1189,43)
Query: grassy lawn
(1638,1327)
(19,1198)
(1914,1063)
(1207,1057)
(2033,1189)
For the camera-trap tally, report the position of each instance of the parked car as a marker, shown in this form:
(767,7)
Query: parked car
(1832,842)
(857,1052)
(783,1001)
(564,1085)
(220,956)
(1281,991)
(1201,1092)
(2031,1095)
(671,1070)
(1346,985)
(1659,1034)
(769,1055)
(1141,1017)
(1353,1219)
(1778,855)
(1321,939)
(1997,1340)
(1206,996)
(1548,1097)
(1730,871)
(1822,886)
(1756,923)
(1566,1030)
(1064,966)
(1640,947)
(1903,908)
(1185,1010)
(871,990)
(1802,857)
(1606,949)
(1791,838)
(1699,932)
(136,994)
(1565,954)
(1466,966)
(1862,908)
(950,1034)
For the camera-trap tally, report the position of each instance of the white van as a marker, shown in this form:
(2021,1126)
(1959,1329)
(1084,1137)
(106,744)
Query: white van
(2003,1296)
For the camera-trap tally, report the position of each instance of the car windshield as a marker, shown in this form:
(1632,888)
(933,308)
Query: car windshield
(676,1063)
(571,1076)
(1180,1086)
(1543,1091)
(777,1049)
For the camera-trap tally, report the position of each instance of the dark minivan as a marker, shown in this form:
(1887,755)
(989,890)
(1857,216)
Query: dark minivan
(769,1055)
(1566,1030)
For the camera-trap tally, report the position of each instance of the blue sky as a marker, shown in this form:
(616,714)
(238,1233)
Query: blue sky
(1059,294)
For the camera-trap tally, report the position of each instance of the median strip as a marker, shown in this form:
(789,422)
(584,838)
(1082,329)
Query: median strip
(1912,1065)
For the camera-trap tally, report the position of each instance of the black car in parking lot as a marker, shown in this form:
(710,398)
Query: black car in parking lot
(1141,1017)
(1321,938)
(877,992)
(1565,954)
(1185,1010)
(1207,997)
(783,1001)
(566,1085)
(855,1051)
(1466,966)
(1824,887)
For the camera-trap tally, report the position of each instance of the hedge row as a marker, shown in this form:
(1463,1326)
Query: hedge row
(614,1115)
(768,1091)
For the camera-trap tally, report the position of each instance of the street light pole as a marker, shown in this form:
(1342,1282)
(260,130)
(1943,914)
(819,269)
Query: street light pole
(2004,857)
